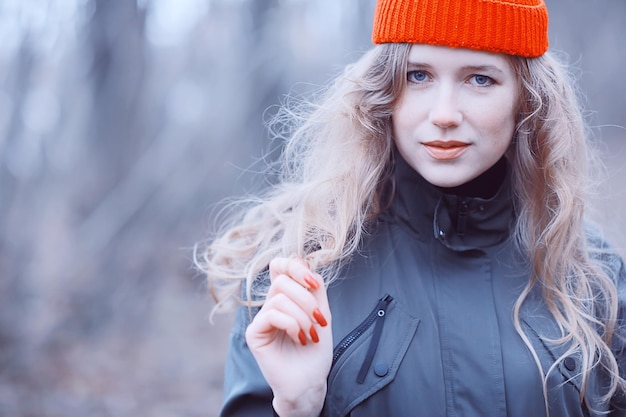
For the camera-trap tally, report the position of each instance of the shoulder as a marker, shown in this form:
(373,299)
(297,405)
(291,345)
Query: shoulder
(601,251)
(612,264)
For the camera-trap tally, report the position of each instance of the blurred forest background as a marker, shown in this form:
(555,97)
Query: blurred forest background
(122,123)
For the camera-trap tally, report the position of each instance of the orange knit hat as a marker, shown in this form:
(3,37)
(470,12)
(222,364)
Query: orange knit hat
(514,27)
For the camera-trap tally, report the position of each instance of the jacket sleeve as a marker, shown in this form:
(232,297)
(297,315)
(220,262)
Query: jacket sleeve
(246,393)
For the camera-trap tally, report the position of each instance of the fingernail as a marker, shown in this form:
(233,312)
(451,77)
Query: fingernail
(320,317)
(311,282)
(314,337)
(302,337)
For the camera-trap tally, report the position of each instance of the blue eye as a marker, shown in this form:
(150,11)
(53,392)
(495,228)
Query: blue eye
(481,80)
(417,76)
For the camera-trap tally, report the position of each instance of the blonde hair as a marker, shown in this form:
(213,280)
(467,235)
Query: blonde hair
(551,160)
(332,168)
(336,174)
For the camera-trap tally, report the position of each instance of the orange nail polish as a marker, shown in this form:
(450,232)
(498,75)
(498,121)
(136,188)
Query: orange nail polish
(311,282)
(319,317)
(302,338)
(314,337)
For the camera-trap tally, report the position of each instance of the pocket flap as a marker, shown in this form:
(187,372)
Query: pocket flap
(541,331)
(344,393)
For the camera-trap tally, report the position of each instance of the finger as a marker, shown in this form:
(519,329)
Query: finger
(306,300)
(296,269)
(300,295)
(284,304)
(314,301)
(265,327)
(322,315)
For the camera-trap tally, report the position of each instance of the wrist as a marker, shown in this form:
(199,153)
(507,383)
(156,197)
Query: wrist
(308,404)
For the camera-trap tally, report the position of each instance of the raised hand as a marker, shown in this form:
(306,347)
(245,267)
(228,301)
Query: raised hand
(291,338)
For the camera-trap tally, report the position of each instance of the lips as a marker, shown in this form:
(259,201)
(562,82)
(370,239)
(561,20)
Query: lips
(445,150)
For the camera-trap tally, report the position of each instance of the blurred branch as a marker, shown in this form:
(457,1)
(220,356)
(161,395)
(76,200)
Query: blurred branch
(127,198)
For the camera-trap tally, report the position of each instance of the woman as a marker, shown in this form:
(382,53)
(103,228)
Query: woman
(425,252)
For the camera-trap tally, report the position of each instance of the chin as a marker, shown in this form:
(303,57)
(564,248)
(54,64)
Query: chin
(439,181)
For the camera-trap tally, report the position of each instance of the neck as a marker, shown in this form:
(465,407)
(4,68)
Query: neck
(486,185)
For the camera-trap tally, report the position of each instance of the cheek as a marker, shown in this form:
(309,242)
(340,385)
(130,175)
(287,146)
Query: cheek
(407,115)
(500,123)
(400,122)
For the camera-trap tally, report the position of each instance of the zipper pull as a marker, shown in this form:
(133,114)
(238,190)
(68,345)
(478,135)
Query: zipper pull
(381,312)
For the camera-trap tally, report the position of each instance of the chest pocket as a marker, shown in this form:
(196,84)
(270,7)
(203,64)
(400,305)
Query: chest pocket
(541,331)
(368,358)
(564,382)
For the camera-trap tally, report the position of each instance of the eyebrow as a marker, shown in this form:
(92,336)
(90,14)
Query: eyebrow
(481,68)
(477,68)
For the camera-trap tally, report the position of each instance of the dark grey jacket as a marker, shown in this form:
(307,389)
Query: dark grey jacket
(422,321)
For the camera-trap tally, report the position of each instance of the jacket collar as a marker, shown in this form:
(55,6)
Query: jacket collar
(459,223)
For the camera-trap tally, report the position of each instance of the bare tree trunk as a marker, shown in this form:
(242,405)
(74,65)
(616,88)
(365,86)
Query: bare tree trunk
(118,70)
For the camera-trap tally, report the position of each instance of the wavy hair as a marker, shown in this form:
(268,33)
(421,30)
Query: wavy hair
(335,174)
(332,168)
(551,160)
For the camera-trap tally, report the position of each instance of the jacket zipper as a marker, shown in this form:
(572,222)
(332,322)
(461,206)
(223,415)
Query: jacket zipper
(461,224)
(377,316)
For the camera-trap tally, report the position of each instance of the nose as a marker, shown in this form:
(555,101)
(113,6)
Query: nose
(445,112)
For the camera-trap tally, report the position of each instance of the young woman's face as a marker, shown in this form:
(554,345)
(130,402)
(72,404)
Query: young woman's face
(456,117)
